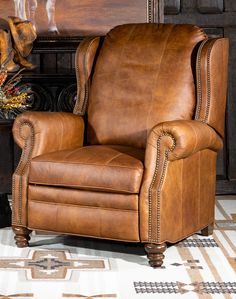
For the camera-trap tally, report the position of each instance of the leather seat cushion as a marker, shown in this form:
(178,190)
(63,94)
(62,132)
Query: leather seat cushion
(98,167)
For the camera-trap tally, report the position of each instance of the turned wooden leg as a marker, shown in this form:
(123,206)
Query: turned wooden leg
(21,236)
(155,254)
(207,231)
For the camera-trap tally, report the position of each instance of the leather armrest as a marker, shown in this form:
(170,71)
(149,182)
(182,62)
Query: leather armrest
(182,138)
(38,133)
(44,132)
(167,144)
(168,163)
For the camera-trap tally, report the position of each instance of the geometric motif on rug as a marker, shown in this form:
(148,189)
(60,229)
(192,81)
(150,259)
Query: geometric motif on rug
(182,288)
(22,296)
(108,296)
(53,265)
(206,242)
(189,264)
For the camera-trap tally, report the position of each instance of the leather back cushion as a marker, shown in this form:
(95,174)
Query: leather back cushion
(143,76)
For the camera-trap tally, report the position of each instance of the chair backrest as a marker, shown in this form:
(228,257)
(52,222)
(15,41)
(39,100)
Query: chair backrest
(144,75)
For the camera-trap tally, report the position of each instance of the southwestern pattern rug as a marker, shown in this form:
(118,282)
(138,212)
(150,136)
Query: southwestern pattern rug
(59,267)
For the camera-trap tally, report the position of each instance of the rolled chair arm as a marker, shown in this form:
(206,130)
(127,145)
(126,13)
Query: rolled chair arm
(167,143)
(182,138)
(38,133)
(46,132)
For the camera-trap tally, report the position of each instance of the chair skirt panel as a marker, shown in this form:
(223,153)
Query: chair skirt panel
(179,201)
(93,214)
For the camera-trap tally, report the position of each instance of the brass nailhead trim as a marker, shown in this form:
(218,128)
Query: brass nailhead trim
(150,207)
(78,85)
(84,100)
(20,170)
(208,81)
(199,83)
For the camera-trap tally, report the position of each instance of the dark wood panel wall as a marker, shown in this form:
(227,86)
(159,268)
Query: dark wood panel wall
(54,83)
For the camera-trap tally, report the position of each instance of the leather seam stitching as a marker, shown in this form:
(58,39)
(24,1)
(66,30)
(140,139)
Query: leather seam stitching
(82,187)
(82,206)
(91,164)
(83,102)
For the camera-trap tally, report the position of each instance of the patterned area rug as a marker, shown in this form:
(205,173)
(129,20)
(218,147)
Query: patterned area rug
(56,267)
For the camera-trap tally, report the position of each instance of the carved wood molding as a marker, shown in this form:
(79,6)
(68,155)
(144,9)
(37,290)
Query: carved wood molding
(67,98)
(210,6)
(172,7)
(155,11)
(160,12)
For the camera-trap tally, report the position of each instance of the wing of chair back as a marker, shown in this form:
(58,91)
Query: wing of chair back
(167,159)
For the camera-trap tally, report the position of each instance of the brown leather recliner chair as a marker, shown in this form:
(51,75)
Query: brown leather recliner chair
(141,165)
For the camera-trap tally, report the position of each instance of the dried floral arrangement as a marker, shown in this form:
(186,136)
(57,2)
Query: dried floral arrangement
(14,98)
